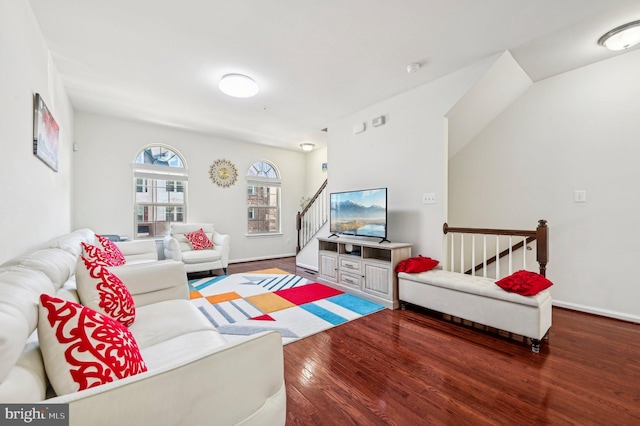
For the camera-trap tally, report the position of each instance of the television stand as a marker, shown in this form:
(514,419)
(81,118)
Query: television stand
(383,240)
(363,268)
(334,235)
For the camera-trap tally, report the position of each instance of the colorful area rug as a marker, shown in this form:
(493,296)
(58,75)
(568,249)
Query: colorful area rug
(240,305)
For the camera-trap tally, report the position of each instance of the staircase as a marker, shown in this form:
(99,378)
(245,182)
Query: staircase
(313,217)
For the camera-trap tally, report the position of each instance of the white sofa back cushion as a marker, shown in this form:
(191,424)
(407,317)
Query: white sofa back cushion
(19,288)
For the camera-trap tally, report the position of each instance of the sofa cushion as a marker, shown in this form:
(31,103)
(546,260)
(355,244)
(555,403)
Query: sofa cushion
(173,330)
(112,250)
(102,291)
(198,240)
(26,382)
(19,291)
(58,265)
(163,321)
(83,348)
(71,242)
(200,256)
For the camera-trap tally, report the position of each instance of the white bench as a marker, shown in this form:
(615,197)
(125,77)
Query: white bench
(463,293)
(480,300)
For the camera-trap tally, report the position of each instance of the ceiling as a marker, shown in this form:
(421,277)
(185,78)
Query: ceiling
(318,61)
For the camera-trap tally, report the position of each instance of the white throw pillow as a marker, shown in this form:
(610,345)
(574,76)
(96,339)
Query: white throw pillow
(104,292)
(82,348)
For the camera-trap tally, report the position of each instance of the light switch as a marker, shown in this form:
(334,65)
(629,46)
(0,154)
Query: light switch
(580,196)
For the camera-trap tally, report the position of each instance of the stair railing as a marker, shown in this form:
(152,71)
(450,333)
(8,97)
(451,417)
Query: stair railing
(525,237)
(313,217)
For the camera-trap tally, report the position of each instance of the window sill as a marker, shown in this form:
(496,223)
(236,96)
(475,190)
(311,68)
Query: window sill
(275,234)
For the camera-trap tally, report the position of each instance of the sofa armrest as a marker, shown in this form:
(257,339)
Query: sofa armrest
(154,282)
(172,248)
(224,243)
(225,386)
(138,250)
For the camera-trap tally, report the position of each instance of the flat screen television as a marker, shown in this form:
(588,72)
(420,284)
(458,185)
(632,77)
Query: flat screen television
(359,213)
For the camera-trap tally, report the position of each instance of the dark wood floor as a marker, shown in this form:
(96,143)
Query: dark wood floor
(410,368)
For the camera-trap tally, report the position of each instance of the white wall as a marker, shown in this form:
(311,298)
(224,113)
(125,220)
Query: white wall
(104,189)
(36,200)
(407,155)
(503,83)
(315,175)
(576,131)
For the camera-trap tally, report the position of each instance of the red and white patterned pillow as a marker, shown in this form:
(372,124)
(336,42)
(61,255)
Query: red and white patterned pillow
(199,240)
(103,291)
(96,254)
(112,250)
(82,348)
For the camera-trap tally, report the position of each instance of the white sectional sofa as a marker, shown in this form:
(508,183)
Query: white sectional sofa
(480,300)
(193,377)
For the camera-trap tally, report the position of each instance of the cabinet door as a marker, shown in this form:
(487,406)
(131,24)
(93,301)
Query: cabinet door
(377,279)
(329,265)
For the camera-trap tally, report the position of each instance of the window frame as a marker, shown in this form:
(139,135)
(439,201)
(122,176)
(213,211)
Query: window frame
(151,176)
(257,177)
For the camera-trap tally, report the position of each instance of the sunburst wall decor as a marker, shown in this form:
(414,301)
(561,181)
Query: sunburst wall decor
(223,173)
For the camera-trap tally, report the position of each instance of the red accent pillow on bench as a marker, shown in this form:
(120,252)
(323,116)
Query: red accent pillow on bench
(526,283)
(416,264)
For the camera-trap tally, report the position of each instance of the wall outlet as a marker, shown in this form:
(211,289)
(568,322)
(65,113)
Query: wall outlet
(429,198)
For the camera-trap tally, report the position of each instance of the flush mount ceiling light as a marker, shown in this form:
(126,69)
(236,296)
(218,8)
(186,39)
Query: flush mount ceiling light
(413,68)
(307,146)
(622,37)
(238,86)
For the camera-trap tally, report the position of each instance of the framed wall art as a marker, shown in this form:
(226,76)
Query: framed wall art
(45,134)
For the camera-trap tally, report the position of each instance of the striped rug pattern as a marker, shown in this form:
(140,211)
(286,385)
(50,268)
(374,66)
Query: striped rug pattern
(240,305)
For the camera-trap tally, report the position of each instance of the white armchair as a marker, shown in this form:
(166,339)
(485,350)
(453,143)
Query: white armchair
(177,247)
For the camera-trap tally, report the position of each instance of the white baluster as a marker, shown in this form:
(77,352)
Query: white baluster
(524,253)
(462,253)
(497,256)
(484,257)
(473,254)
(452,260)
(510,255)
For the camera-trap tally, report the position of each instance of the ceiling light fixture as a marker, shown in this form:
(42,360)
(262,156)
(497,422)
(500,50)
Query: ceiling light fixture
(413,68)
(238,86)
(306,147)
(622,37)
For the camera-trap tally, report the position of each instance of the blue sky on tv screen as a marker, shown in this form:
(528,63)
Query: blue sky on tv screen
(367,198)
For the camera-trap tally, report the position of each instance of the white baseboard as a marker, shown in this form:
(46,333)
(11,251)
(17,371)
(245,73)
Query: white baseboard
(252,259)
(308,267)
(596,311)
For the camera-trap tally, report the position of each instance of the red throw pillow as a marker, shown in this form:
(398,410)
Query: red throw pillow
(526,283)
(97,255)
(104,292)
(82,348)
(199,240)
(112,250)
(416,264)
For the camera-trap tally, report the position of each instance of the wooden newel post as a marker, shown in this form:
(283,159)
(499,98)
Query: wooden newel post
(298,228)
(542,242)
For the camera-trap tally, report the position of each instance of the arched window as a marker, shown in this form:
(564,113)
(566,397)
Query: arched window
(263,199)
(160,187)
